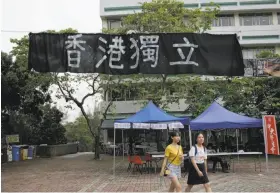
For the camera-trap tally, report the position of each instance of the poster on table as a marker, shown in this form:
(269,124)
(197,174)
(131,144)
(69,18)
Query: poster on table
(270,134)
(157,53)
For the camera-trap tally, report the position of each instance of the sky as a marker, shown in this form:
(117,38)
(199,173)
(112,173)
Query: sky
(19,17)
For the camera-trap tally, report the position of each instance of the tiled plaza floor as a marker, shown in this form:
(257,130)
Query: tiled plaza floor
(74,173)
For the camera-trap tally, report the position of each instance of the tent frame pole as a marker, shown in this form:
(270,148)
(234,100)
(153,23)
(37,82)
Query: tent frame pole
(190,136)
(265,144)
(236,131)
(123,144)
(114,163)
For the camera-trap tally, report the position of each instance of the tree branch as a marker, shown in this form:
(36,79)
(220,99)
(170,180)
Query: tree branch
(70,97)
(86,96)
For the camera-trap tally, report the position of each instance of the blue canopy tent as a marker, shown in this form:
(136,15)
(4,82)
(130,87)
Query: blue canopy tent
(217,117)
(150,117)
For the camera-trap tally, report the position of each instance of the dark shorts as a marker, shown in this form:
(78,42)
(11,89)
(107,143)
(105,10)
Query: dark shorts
(194,178)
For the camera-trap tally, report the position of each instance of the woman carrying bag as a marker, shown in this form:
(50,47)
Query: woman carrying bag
(198,166)
(171,166)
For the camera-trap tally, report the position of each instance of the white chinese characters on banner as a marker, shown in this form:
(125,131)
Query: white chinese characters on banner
(102,49)
(136,53)
(74,55)
(185,60)
(272,134)
(150,49)
(116,51)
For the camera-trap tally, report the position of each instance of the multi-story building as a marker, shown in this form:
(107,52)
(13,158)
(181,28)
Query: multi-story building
(256,22)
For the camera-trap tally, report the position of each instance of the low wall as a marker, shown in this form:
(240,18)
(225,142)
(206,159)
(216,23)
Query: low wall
(56,150)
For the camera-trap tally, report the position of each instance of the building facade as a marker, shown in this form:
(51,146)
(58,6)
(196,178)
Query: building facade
(256,22)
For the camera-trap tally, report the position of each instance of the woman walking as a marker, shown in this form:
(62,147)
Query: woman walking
(198,167)
(171,165)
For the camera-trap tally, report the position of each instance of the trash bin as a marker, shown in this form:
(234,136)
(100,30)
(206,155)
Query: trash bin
(30,152)
(20,153)
(16,152)
(25,153)
(10,155)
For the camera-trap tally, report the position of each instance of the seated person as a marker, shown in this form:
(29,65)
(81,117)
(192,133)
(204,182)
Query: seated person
(215,159)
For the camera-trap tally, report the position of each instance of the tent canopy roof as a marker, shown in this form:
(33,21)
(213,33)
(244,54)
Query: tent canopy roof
(217,117)
(152,114)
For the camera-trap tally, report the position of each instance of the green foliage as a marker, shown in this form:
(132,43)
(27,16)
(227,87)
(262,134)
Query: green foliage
(201,92)
(11,83)
(254,96)
(163,16)
(78,131)
(49,130)
(25,95)
(267,54)
(251,96)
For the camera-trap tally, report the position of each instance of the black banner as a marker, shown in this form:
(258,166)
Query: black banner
(168,53)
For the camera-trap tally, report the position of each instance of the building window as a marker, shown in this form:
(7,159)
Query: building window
(114,24)
(223,20)
(256,19)
(278,17)
(251,53)
(186,21)
(131,94)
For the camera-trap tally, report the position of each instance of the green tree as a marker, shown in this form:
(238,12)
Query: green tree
(24,93)
(78,131)
(267,54)
(67,84)
(24,104)
(164,16)
(49,130)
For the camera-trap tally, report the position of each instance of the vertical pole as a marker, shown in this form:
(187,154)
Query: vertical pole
(144,135)
(265,143)
(236,133)
(237,144)
(190,136)
(185,140)
(114,165)
(123,144)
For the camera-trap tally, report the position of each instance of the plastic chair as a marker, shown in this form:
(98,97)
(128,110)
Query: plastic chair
(131,161)
(138,162)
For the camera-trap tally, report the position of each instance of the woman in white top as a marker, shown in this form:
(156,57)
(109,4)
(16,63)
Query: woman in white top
(198,167)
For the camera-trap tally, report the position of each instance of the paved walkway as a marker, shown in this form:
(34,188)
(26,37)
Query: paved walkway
(81,173)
